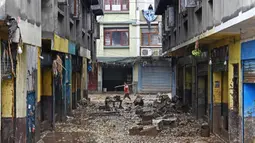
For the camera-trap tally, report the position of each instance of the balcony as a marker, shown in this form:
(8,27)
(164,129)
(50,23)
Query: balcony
(98,8)
(161,5)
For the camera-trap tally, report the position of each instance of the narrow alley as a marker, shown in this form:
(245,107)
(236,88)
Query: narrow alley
(90,124)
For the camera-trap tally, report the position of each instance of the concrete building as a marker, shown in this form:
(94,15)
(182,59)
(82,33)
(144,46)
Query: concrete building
(69,33)
(20,33)
(126,43)
(46,47)
(211,43)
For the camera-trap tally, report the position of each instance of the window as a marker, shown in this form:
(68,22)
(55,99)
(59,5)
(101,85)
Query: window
(150,37)
(116,37)
(116,5)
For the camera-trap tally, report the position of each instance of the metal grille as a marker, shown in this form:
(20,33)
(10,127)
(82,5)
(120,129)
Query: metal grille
(5,59)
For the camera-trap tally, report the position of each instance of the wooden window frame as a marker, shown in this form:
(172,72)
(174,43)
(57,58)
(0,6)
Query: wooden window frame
(116,30)
(149,38)
(121,3)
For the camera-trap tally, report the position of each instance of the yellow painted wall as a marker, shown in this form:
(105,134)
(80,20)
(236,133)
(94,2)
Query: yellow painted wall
(60,44)
(39,77)
(235,58)
(217,91)
(46,82)
(7,97)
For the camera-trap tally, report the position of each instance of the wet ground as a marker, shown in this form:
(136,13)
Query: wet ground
(89,126)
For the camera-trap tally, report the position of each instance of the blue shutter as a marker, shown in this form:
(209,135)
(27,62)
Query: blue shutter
(156,78)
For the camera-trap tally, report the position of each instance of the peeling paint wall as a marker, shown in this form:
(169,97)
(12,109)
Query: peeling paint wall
(7,98)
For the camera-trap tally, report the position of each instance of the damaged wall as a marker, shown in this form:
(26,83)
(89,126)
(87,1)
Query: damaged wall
(235,116)
(29,13)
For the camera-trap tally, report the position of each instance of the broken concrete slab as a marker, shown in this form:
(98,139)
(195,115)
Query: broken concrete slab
(158,123)
(149,122)
(149,131)
(147,117)
(135,130)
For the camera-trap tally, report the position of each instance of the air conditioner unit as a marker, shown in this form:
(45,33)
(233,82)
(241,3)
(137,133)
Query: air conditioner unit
(145,52)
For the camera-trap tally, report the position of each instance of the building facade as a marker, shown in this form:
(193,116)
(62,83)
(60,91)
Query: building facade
(129,48)
(46,49)
(210,44)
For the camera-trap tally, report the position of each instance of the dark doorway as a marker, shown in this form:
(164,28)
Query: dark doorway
(114,76)
(180,82)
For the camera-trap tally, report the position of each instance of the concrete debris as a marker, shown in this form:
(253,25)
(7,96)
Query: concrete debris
(149,131)
(134,124)
(139,101)
(135,130)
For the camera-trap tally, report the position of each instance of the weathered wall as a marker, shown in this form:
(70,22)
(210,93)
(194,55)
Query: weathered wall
(2,9)
(201,19)
(7,109)
(30,15)
(48,16)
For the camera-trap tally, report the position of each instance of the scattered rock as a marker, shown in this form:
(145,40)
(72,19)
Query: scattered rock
(149,122)
(135,130)
(138,101)
(158,123)
(149,131)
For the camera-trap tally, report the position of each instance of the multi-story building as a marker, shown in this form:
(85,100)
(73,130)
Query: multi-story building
(211,43)
(20,41)
(46,47)
(128,47)
(69,33)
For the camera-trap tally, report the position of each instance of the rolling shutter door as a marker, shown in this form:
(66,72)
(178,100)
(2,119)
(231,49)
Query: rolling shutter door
(156,78)
(249,71)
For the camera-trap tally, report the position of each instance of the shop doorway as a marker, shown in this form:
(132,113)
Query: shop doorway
(114,76)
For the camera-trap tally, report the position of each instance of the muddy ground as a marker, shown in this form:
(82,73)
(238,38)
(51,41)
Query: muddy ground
(89,126)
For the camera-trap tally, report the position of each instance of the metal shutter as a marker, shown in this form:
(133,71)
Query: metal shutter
(156,79)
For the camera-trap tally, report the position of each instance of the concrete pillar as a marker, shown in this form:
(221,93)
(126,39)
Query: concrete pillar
(84,85)
(38,93)
(100,79)
(21,96)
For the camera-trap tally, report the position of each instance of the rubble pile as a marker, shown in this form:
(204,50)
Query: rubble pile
(134,124)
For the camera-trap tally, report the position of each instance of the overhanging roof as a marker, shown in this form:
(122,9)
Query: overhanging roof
(116,60)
